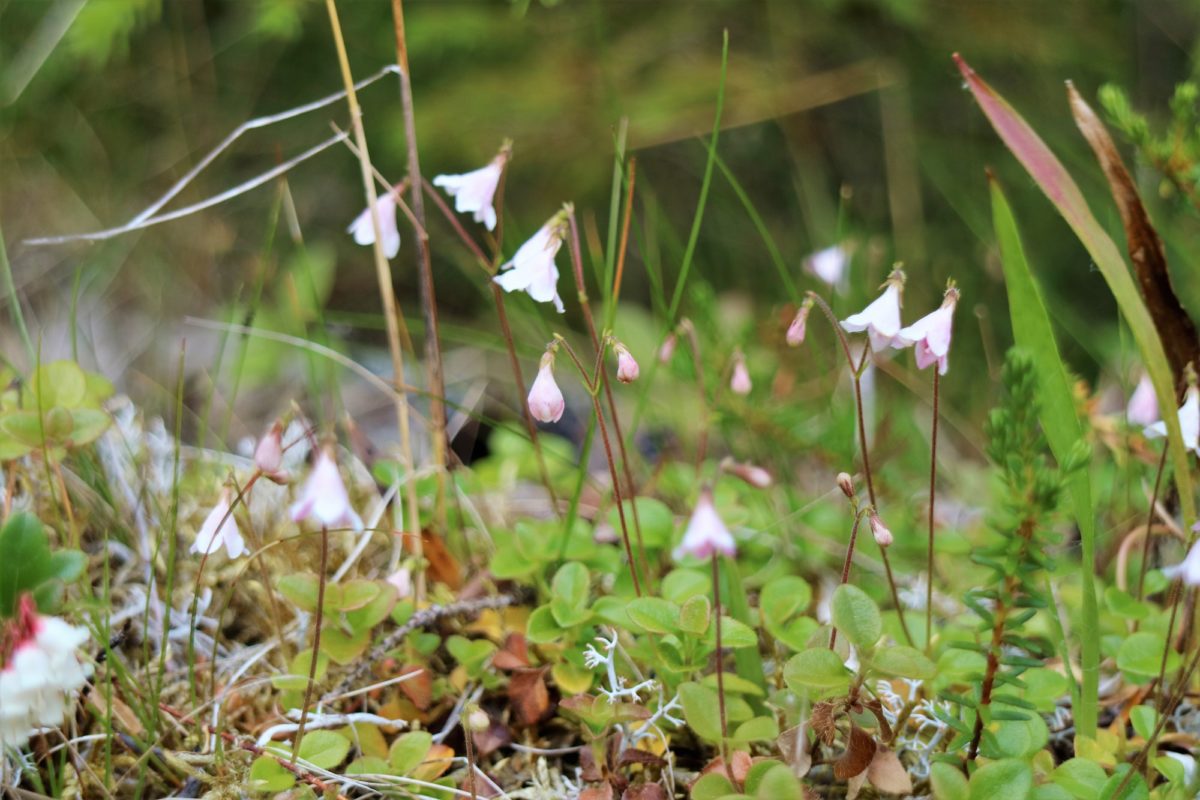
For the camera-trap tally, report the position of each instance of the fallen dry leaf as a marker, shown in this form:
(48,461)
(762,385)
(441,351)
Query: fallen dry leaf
(528,695)
(491,738)
(857,756)
(887,774)
(793,746)
(645,791)
(601,792)
(419,689)
(822,722)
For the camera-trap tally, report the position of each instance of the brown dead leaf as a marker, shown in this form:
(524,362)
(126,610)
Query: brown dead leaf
(887,774)
(442,567)
(1175,327)
(645,791)
(589,769)
(822,722)
(418,689)
(601,792)
(528,695)
(793,747)
(514,654)
(739,761)
(854,785)
(885,729)
(491,738)
(121,713)
(857,756)
(632,755)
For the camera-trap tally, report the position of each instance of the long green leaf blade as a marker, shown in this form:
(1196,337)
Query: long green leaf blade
(1033,333)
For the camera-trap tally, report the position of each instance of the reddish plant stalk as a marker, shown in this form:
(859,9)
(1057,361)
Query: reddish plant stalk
(932,483)
(858,515)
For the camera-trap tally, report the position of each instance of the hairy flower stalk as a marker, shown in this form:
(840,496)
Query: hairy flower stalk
(931,336)
(856,371)
(599,345)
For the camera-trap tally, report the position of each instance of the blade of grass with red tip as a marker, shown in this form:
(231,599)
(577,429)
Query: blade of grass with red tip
(1053,179)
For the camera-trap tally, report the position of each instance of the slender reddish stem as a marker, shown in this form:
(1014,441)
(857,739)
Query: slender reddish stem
(318,618)
(1162,463)
(858,515)
(932,496)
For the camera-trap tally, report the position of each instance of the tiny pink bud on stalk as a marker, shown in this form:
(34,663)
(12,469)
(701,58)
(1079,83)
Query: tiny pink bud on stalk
(268,455)
(667,349)
(796,331)
(846,484)
(740,382)
(546,402)
(706,533)
(883,536)
(627,367)
(752,474)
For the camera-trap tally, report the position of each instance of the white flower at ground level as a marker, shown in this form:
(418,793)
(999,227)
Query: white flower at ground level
(363,228)
(1189,422)
(1143,403)
(830,266)
(532,268)
(220,528)
(706,533)
(474,192)
(881,319)
(40,670)
(324,496)
(546,402)
(931,334)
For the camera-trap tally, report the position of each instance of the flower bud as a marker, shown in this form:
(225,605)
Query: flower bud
(478,720)
(796,331)
(268,455)
(627,367)
(546,402)
(846,484)
(752,474)
(667,349)
(883,536)
(740,381)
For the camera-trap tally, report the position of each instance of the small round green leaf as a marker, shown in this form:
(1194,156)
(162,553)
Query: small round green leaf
(856,615)
(1007,779)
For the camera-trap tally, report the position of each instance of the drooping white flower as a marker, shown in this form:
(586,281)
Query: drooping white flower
(220,528)
(706,533)
(402,580)
(268,454)
(740,381)
(1143,403)
(830,266)
(1187,570)
(627,367)
(931,334)
(475,191)
(881,319)
(363,228)
(40,670)
(1189,422)
(546,402)
(532,268)
(324,496)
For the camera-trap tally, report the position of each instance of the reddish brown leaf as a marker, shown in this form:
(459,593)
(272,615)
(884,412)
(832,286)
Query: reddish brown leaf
(418,690)
(601,792)
(491,738)
(528,695)
(589,770)
(1174,326)
(857,756)
(822,722)
(442,566)
(514,654)
(740,761)
(887,774)
(632,755)
(645,791)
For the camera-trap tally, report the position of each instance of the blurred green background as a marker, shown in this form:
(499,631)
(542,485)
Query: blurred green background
(843,119)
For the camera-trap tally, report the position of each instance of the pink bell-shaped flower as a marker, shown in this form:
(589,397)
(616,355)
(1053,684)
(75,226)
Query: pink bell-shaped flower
(706,533)
(883,536)
(546,402)
(739,381)
(220,528)
(474,192)
(1143,403)
(268,454)
(1189,422)
(627,367)
(931,334)
(363,228)
(830,266)
(532,268)
(881,319)
(1188,570)
(324,497)
(796,331)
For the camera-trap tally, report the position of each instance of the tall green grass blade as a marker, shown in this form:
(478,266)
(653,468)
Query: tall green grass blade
(1060,420)
(698,219)
(14,302)
(1053,179)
